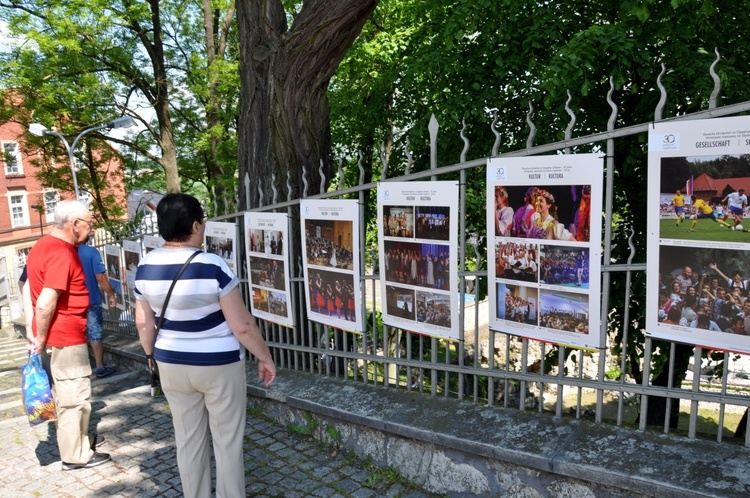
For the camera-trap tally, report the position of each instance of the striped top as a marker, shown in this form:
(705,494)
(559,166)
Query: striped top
(194,331)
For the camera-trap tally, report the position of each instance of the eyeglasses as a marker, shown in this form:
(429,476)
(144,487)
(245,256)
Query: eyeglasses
(90,223)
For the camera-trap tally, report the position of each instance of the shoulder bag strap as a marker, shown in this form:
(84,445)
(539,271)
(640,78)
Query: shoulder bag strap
(171,288)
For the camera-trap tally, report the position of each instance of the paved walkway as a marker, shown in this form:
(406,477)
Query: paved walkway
(138,429)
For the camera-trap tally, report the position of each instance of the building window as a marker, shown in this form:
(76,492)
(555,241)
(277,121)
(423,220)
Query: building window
(19,211)
(12,159)
(51,197)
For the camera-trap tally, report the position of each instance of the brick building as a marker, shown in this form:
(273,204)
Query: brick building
(27,207)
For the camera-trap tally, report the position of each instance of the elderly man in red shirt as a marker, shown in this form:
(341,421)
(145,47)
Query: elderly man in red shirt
(60,301)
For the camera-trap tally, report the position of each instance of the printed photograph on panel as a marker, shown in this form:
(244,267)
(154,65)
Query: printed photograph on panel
(704,198)
(277,303)
(332,294)
(329,243)
(222,247)
(434,309)
(564,311)
(517,303)
(433,222)
(274,242)
(398,221)
(517,261)
(564,266)
(132,259)
(554,212)
(260,299)
(113,265)
(704,288)
(425,265)
(399,302)
(268,273)
(257,240)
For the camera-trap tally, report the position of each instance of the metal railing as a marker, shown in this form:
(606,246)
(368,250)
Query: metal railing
(491,367)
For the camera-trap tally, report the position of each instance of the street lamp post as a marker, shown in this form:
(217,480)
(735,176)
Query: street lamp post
(41,130)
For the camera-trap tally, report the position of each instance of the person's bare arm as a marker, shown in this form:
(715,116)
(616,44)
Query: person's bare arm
(145,322)
(103,281)
(245,329)
(46,305)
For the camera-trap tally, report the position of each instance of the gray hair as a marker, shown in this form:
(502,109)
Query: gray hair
(69,210)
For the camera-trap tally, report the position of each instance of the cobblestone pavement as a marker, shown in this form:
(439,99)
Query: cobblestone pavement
(138,432)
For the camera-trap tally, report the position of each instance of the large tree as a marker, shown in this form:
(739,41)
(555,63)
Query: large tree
(168,65)
(285,73)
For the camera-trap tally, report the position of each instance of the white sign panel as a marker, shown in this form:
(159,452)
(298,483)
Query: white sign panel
(268,266)
(417,232)
(113,263)
(220,238)
(544,247)
(132,251)
(151,242)
(698,273)
(330,251)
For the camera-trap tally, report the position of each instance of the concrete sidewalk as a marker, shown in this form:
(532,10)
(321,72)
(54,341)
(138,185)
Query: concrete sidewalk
(139,434)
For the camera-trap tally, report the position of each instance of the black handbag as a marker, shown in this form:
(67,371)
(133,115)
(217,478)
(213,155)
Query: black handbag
(153,368)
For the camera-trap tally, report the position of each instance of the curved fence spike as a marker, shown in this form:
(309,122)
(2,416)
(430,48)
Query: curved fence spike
(260,195)
(341,173)
(322,178)
(493,127)
(532,127)
(304,180)
(571,124)
(717,81)
(361,169)
(613,115)
(409,159)
(273,188)
(466,141)
(288,185)
(384,161)
(433,127)
(663,91)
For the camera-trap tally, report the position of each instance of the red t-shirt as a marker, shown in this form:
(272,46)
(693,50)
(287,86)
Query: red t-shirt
(55,264)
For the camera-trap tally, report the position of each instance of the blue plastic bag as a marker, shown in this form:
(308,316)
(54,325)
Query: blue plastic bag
(37,395)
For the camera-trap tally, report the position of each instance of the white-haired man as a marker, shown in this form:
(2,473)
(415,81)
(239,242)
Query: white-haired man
(60,301)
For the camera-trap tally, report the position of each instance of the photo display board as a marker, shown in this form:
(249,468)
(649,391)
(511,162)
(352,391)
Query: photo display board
(268,266)
(330,252)
(132,251)
(220,238)
(417,235)
(151,242)
(544,247)
(113,263)
(698,267)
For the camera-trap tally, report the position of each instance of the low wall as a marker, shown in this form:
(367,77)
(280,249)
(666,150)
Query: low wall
(464,449)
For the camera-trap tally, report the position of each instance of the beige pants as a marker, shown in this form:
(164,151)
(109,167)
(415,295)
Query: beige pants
(203,398)
(71,391)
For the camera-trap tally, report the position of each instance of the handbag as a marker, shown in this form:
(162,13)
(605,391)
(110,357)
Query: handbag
(36,392)
(153,368)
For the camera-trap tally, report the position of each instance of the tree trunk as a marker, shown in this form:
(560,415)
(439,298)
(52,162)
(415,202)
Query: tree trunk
(284,76)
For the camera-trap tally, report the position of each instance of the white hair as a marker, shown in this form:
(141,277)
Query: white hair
(68,210)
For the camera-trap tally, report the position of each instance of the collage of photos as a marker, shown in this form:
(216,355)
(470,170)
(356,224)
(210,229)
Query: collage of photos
(416,257)
(265,234)
(113,263)
(698,223)
(220,238)
(330,246)
(543,249)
